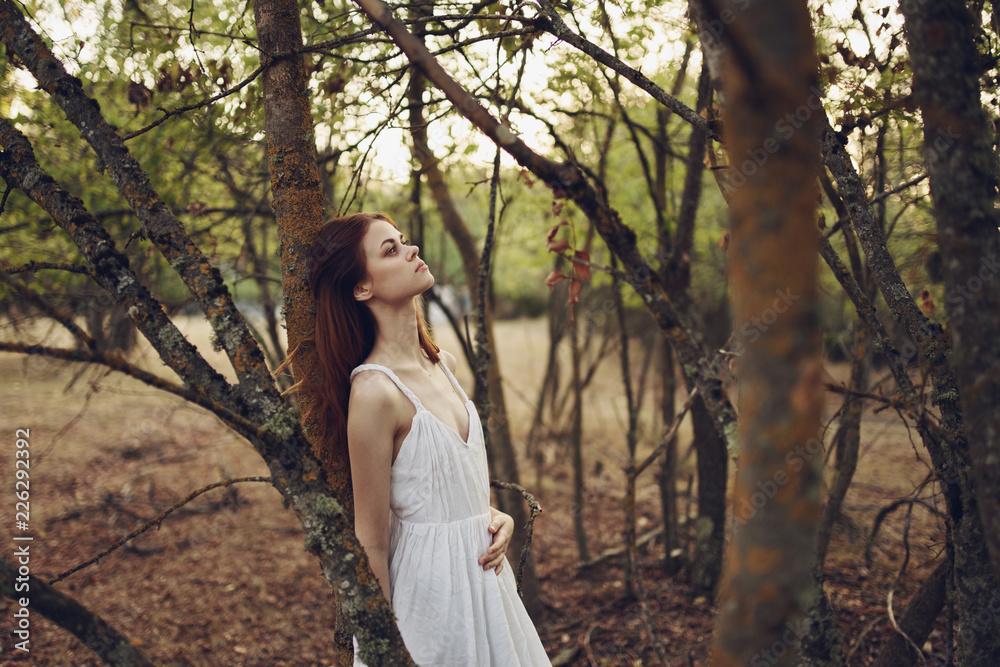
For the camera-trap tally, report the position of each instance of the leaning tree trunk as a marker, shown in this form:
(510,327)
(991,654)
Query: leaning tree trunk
(917,620)
(963,182)
(95,633)
(768,585)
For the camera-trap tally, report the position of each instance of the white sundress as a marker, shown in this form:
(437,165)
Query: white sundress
(451,612)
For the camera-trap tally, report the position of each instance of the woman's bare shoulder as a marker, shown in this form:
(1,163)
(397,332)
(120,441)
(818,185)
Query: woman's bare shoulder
(372,391)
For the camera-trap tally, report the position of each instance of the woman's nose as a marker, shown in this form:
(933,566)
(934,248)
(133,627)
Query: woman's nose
(414,251)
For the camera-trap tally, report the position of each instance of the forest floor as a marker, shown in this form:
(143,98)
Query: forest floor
(225,580)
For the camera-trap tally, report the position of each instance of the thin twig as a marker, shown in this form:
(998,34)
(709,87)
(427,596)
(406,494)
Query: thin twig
(205,102)
(6,193)
(899,573)
(61,316)
(529,527)
(667,437)
(156,521)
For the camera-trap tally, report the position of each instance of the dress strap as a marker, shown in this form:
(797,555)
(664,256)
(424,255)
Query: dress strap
(451,377)
(392,376)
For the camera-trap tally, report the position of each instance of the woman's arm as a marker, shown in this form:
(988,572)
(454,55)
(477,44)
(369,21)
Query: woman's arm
(370,440)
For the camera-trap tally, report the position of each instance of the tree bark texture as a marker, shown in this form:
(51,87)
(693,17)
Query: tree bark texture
(917,620)
(768,586)
(962,171)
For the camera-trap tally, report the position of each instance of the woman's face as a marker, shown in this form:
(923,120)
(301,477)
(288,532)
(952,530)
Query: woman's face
(395,272)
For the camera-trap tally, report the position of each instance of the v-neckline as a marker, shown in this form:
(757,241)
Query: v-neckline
(468,413)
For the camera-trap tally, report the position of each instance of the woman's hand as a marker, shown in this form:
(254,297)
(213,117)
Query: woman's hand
(502,527)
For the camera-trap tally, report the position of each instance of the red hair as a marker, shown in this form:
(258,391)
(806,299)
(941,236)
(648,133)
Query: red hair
(345,327)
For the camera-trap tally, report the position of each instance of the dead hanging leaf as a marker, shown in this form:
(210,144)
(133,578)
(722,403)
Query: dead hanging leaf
(138,95)
(552,243)
(582,270)
(557,207)
(557,245)
(574,290)
(927,301)
(554,279)
(526,175)
(164,83)
(333,85)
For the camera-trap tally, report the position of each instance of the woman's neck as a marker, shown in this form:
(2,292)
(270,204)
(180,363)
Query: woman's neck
(397,342)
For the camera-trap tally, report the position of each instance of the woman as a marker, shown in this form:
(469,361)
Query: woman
(416,452)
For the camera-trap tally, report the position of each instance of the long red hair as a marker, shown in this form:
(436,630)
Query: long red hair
(345,327)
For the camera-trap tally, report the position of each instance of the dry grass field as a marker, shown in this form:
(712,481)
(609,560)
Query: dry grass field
(225,580)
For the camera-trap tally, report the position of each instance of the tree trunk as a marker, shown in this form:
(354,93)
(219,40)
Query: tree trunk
(667,476)
(769,585)
(576,446)
(710,525)
(297,203)
(847,441)
(713,457)
(917,621)
(963,182)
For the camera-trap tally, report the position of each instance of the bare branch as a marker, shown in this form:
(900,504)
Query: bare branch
(556,26)
(56,313)
(156,521)
(117,362)
(159,223)
(19,167)
(33,266)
